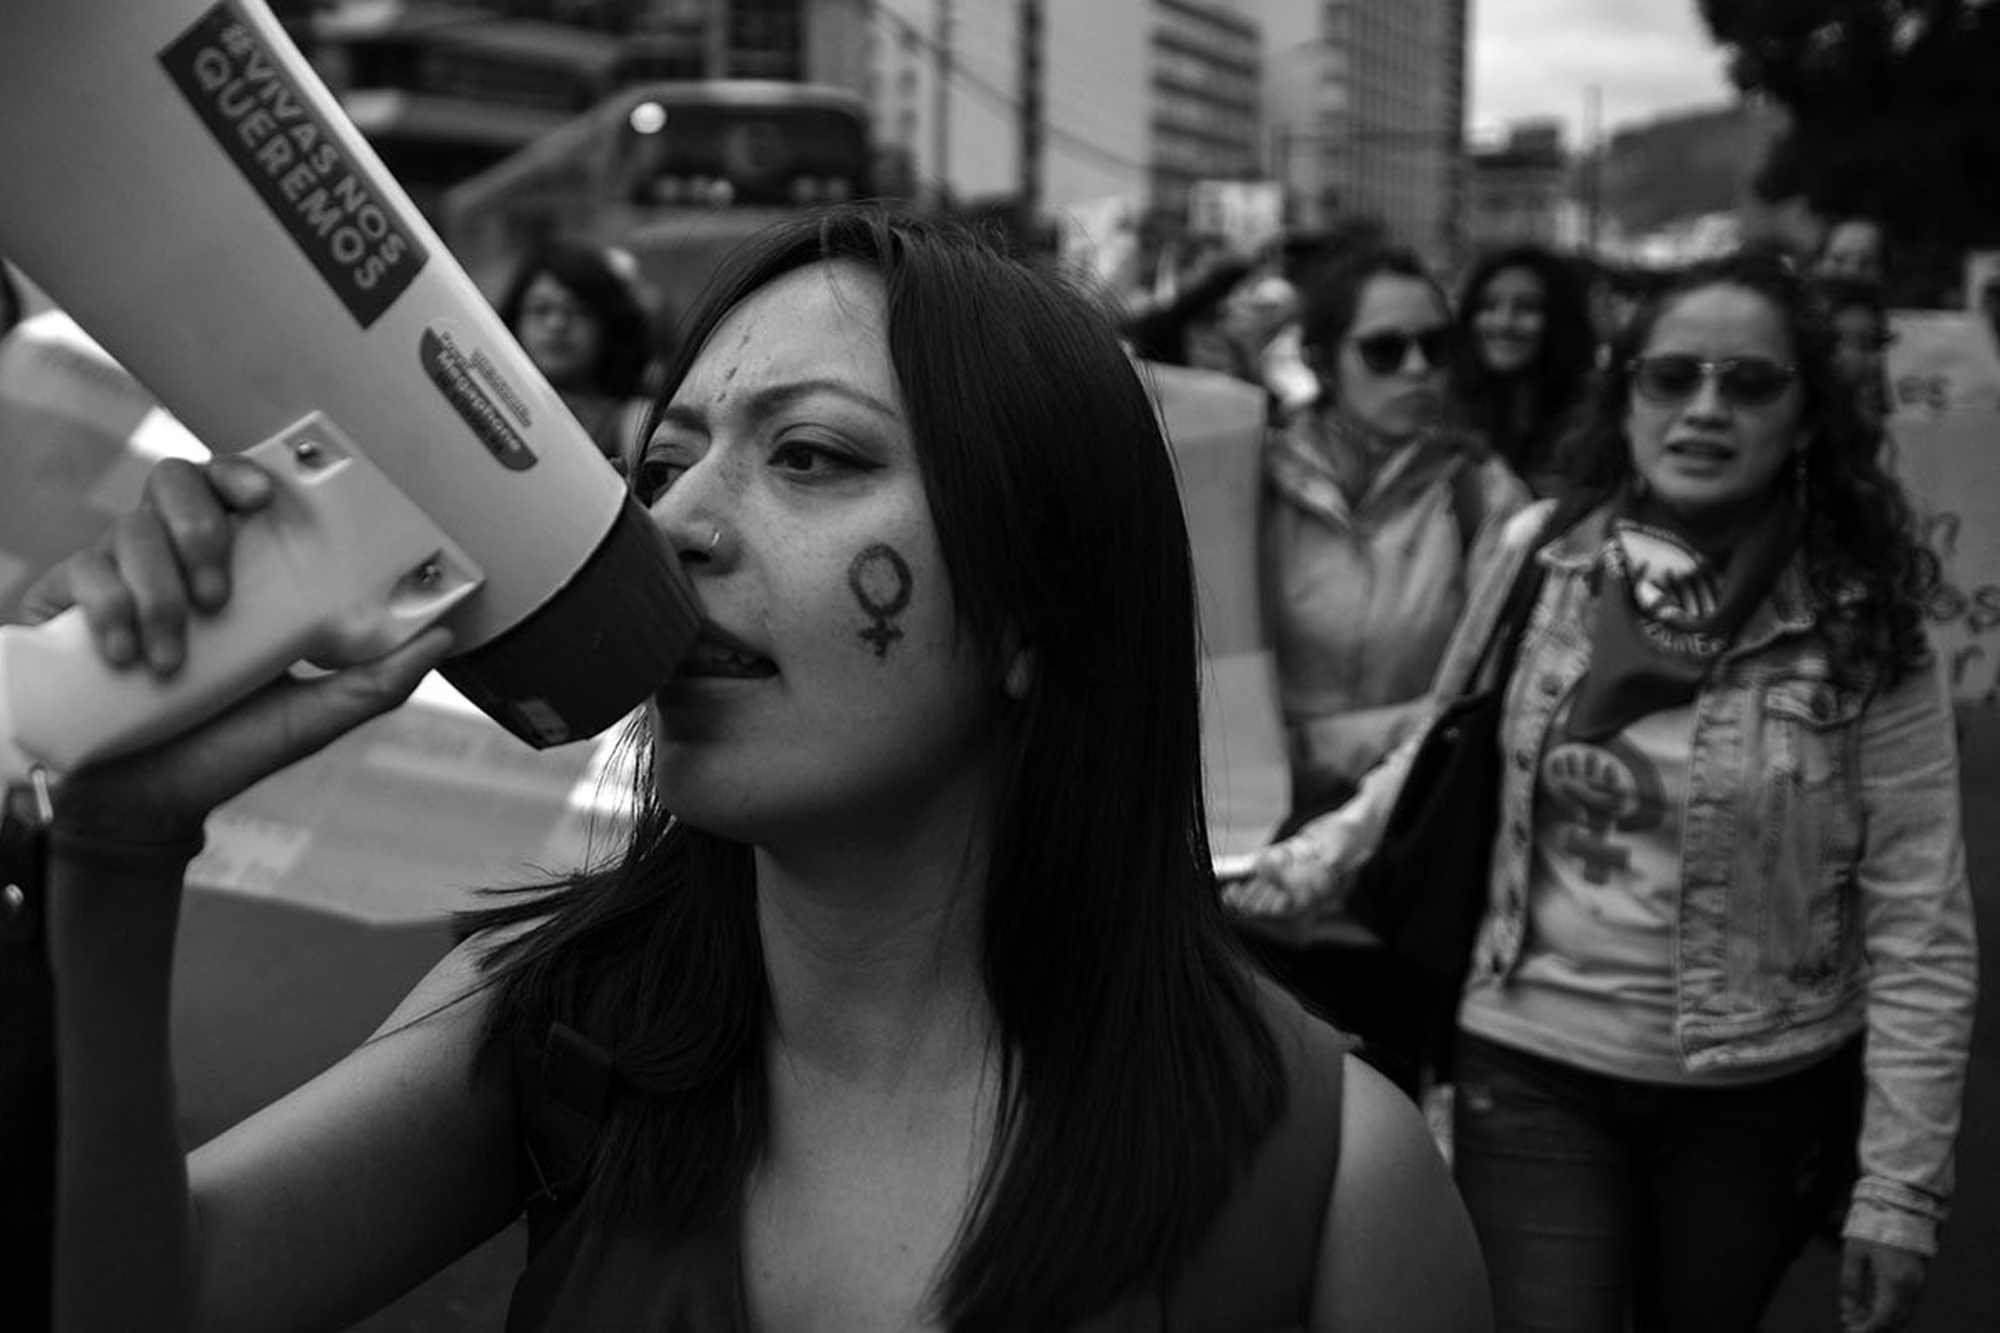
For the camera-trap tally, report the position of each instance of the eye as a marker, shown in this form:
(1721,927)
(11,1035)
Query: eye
(657,470)
(802,456)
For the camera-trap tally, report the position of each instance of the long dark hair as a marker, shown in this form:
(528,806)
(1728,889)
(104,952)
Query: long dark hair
(1870,576)
(625,340)
(1558,374)
(1138,1075)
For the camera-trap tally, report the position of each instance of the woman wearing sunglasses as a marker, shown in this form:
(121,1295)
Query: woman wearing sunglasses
(1374,512)
(1727,906)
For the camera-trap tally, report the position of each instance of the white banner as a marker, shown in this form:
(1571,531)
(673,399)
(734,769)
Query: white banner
(1215,424)
(1944,373)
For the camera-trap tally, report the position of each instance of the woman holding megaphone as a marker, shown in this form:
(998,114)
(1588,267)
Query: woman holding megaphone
(909,1003)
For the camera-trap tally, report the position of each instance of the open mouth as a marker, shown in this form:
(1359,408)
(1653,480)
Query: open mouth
(1696,451)
(717,654)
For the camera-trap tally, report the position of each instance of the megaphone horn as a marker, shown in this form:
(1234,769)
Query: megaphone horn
(202,207)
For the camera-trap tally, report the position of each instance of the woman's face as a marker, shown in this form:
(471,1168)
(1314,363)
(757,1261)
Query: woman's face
(1508,320)
(1713,413)
(1859,340)
(834,694)
(1390,366)
(1853,249)
(559,333)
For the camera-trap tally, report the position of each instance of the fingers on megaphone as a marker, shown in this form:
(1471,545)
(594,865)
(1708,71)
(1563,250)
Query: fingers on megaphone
(195,504)
(136,584)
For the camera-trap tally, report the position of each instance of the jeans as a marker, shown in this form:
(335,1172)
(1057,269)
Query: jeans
(1599,1200)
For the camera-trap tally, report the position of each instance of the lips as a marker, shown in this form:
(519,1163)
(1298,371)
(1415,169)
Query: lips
(719,654)
(1701,451)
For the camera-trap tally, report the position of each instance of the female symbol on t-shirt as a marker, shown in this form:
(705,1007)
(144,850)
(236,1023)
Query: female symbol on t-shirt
(881,582)
(1602,788)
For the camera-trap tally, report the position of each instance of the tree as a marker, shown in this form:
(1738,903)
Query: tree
(1894,109)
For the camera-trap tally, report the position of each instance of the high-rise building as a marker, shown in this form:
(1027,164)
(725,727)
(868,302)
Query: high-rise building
(1137,98)
(1364,102)
(1520,190)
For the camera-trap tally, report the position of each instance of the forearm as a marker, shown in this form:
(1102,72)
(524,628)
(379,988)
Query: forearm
(124,1228)
(1922,967)
(1920,1017)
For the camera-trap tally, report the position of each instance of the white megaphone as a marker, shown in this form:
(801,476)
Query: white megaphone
(175,176)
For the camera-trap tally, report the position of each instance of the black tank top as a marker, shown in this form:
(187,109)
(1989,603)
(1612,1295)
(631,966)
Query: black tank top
(1253,1270)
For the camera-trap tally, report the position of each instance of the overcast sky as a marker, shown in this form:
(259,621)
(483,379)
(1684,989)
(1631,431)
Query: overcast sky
(1539,57)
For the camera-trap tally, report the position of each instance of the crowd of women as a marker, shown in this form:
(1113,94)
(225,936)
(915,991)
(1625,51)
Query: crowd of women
(912,1001)
(1722,992)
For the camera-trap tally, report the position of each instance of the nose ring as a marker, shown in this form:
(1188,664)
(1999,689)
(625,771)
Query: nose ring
(714,540)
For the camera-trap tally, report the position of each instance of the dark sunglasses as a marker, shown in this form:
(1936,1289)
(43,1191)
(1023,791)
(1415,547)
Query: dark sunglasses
(1388,352)
(1745,381)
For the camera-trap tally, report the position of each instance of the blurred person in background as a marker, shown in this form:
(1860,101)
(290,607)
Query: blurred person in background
(1237,316)
(579,318)
(1859,319)
(1181,326)
(1726,978)
(1614,292)
(1526,349)
(1855,248)
(1375,520)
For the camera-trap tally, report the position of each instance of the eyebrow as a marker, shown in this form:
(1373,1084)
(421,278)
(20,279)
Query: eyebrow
(768,401)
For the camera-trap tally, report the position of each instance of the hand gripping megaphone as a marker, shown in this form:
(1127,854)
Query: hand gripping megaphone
(174,175)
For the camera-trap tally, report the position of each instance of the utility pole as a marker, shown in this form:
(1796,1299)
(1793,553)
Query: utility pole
(1031,116)
(1593,166)
(941,102)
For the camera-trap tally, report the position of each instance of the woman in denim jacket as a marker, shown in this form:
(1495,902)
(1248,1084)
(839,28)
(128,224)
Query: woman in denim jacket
(1728,871)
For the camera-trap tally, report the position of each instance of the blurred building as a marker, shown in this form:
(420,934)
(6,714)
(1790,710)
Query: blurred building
(1666,177)
(1133,99)
(1521,190)
(1365,108)
(445,89)
(1128,98)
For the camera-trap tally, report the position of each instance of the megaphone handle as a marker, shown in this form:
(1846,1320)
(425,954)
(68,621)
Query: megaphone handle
(340,567)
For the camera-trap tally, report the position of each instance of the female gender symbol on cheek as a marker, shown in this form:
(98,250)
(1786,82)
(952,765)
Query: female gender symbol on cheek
(881,582)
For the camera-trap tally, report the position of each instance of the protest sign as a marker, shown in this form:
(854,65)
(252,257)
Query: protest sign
(1944,374)
(1215,424)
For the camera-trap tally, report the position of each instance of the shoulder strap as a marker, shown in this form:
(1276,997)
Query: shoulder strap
(1468,501)
(1505,639)
(564,1107)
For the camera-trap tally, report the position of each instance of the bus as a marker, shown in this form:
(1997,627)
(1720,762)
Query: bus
(673,172)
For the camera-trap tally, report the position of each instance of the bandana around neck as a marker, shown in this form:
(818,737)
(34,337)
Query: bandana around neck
(1665,612)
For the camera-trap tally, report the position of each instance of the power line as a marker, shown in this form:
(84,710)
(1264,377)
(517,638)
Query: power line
(1006,103)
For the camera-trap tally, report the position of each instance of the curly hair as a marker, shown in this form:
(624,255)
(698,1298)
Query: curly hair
(1562,365)
(1870,576)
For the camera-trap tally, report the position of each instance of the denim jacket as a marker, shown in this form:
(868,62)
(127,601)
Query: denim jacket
(1823,888)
